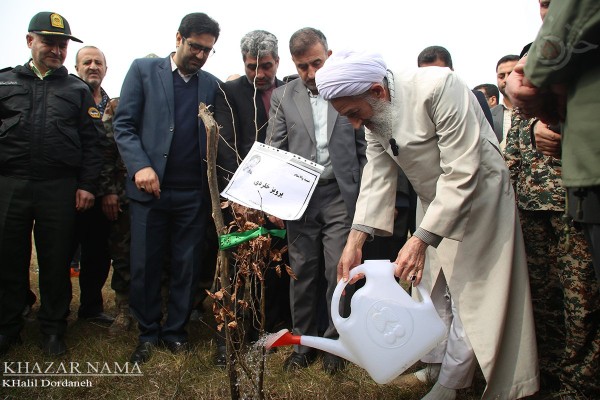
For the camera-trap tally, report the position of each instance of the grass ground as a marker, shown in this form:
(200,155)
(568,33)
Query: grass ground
(184,376)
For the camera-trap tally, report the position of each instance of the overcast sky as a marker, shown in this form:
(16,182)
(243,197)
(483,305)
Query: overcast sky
(476,32)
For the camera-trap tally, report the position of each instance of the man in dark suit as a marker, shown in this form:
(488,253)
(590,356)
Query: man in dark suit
(491,93)
(300,121)
(502,113)
(242,106)
(241,110)
(163,145)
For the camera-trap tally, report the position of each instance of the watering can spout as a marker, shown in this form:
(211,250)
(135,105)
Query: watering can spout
(281,338)
(333,346)
(285,338)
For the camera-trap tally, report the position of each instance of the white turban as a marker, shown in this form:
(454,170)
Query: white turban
(349,73)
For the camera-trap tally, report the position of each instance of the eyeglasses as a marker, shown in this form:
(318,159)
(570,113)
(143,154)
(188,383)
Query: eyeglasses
(195,48)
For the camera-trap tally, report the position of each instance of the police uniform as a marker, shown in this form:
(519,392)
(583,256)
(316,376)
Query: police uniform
(563,287)
(49,134)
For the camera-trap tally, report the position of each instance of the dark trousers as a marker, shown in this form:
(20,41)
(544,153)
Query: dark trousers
(584,207)
(592,235)
(176,221)
(277,295)
(316,241)
(209,264)
(387,247)
(119,243)
(47,207)
(91,232)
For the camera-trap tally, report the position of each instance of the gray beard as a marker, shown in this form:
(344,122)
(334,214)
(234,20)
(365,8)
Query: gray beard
(381,121)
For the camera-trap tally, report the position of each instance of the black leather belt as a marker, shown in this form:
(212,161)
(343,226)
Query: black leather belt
(323,182)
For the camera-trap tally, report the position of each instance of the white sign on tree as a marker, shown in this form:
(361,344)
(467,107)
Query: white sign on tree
(274,181)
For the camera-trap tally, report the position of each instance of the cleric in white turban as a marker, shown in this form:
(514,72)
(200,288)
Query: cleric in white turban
(468,239)
(348,73)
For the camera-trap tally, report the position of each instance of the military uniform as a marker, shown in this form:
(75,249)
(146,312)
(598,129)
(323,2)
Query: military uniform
(561,54)
(563,287)
(112,181)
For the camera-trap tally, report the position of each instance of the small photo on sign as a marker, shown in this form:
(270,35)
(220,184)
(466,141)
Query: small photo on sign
(274,181)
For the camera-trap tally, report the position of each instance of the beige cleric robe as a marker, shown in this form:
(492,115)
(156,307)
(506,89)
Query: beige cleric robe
(446,151)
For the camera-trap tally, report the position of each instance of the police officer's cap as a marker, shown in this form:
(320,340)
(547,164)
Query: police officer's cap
(49,23)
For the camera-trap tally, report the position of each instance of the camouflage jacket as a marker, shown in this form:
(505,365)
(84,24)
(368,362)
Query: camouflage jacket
(113,175)
(536,178)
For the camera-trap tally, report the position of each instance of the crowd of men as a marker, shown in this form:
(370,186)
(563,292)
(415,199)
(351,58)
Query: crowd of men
(462,189)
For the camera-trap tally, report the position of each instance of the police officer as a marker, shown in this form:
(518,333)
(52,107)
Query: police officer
(49,164)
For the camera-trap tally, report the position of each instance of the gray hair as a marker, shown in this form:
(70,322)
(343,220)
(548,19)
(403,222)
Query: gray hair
(258,43)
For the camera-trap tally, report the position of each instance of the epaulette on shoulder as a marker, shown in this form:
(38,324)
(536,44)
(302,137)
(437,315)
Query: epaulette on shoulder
(77,78)
(6,69)
(81,81)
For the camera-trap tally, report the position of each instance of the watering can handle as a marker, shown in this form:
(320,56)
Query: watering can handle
(341,285)
(362,269)
(337,294)
(425,296)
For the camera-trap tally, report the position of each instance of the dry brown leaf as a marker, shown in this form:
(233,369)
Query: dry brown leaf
(290,272)
(218,295)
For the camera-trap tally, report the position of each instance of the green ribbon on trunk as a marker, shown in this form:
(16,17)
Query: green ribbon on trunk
(236,238)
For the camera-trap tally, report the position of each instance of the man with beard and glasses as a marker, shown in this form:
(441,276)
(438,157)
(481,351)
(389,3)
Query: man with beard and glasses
(163,145)
(468,236)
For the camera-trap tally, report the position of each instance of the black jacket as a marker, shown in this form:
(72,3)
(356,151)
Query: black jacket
(49,128)
(238,118)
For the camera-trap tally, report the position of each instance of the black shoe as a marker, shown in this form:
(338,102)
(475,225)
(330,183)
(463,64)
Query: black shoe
(53,345)
(221,357)
(299,360)
(333,364)
(176,347)
(100,318)
(7,341)
(142,353)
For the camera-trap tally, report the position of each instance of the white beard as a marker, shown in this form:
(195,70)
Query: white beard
(381,121)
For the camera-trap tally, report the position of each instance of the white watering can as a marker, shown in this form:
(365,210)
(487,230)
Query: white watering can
(386,332)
